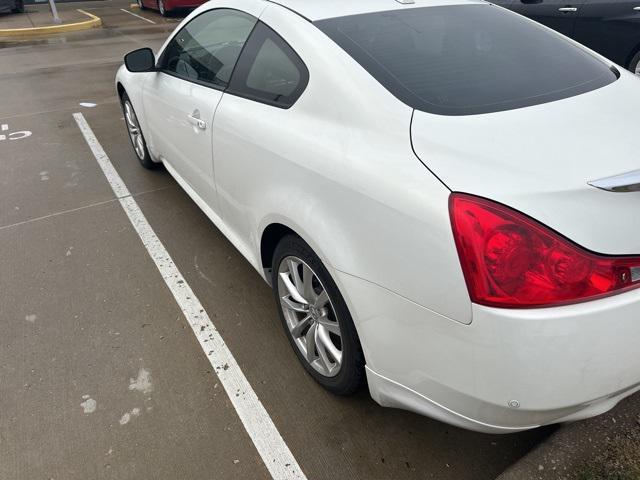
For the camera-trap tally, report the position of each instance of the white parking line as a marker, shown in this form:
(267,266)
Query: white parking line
(265,436)
(139,16)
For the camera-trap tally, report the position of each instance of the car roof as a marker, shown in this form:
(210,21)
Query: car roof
(320,9)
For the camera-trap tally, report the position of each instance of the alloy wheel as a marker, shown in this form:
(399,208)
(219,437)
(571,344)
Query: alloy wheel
(134,130)
(310,316)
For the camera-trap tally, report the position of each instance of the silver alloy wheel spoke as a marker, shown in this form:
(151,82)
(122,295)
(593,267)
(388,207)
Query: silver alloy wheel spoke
(301,326)
(307,283)
(322,351)
(326,349)
(321,300)
(332,327)
(295,274)
(311,343)
(288,302)
(130,121)
(310,316)
(140,146)
(134,130)
(291,288)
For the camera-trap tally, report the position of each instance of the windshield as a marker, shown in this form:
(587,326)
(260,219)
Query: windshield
(467,59)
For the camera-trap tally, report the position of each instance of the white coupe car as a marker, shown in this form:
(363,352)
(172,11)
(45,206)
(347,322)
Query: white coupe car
(444,195)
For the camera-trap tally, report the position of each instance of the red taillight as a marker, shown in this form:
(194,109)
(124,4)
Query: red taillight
(509,260)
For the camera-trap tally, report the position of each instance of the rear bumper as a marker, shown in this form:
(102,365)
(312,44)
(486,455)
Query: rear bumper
(509,370)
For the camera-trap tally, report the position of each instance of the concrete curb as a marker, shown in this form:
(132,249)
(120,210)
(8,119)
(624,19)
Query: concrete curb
(93,22)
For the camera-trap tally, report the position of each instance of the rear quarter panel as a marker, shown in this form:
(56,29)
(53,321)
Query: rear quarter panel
(338,168)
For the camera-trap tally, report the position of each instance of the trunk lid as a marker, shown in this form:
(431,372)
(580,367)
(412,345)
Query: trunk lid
(539,159)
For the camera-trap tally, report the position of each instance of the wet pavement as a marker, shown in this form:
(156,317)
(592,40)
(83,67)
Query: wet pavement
(100,374)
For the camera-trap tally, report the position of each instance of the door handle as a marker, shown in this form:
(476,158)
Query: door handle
(197,122)
(637,9)
(568,9)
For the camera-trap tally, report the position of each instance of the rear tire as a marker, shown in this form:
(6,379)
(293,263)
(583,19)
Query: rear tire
(634,66)
(136,137)
(162,9)
(316,316)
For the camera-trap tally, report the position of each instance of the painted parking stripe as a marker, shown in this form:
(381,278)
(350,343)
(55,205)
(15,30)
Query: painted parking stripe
(265,436)
(139,16)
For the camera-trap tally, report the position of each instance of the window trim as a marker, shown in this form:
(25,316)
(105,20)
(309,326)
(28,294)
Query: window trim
(238,81)
(213,86)
(297,60)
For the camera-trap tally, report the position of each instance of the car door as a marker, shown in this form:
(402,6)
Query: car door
(181,99)
(560,15)
(611,28)
(253,122)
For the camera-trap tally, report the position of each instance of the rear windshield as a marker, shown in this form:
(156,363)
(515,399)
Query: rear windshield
(467,59)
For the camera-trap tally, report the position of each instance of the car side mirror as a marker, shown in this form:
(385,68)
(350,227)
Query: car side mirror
(141,60)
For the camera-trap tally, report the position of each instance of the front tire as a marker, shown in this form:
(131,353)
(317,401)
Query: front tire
(141,5)
(634,66)
(135,134)
(19,6)
(316,318)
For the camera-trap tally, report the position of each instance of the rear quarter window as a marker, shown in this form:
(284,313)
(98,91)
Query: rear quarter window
(467,59)
(269,70)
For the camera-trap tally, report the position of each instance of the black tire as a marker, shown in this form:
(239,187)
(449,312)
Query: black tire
(634,65)
(19,6)
(351,374)
(144,158)
(162,9)
(141,5)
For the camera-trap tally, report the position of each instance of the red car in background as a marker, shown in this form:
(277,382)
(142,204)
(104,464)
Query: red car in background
(165,7)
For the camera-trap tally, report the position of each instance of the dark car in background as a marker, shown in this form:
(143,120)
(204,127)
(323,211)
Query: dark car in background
(610,27)
(15,6)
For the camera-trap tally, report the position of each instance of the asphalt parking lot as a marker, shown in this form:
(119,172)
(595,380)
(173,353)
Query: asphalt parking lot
(101,375)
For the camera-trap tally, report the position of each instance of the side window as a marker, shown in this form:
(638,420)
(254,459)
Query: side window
(269,71)
(207,48)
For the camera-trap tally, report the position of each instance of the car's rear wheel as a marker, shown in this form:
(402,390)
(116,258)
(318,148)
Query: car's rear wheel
(316,318)
(135,134)
(162,9)
(19,6)
(634,66)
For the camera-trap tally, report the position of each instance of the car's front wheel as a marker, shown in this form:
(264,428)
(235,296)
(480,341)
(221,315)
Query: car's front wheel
(141,5)
(634,66)
(135,134)
(316,318)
